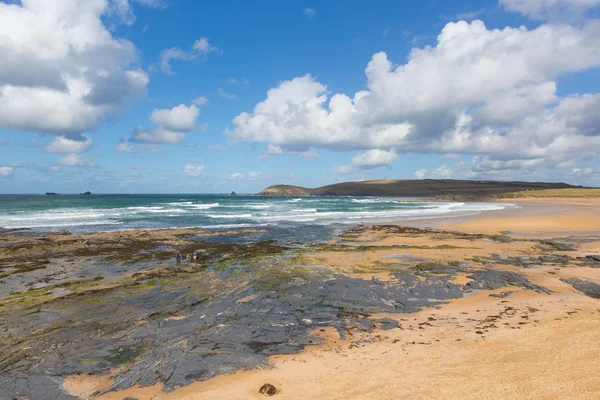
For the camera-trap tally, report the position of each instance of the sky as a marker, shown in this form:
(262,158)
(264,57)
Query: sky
(182,96)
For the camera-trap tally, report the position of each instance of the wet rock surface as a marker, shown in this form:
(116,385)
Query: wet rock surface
(493,279)
(503,295)
(242,302)
(590,288)
(178,335)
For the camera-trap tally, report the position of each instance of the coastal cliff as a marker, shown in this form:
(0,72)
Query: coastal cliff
(285,190)
(448,188)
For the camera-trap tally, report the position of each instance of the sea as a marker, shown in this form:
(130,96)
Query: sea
(291,216)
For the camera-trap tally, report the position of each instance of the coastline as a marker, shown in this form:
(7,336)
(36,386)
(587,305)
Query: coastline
(420,363)
(481,344)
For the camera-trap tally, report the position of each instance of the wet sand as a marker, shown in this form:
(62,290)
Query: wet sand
(528,345)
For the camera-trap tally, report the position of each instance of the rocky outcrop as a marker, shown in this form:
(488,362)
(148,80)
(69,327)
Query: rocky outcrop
(285,190)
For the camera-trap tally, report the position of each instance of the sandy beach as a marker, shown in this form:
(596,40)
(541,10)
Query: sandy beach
(523,323)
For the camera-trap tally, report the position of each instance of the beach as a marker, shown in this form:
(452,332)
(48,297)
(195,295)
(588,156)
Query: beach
(499,304)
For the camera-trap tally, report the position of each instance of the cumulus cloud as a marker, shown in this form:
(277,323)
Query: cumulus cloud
(276,150)
(200,101)
(250,176)
(253,175)
(62,144)
(373,158)
(222,93)
(125,146)
(309,155)
(201,47)
(6,171)
(179,118)
(421,173)
(243,80)
(490,92)
(67,74)
(75,160)
(173,125)
(342,169)
(309,13)
(551,9)
(193,170)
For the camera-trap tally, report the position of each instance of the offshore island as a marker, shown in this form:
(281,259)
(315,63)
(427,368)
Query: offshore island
(382,309)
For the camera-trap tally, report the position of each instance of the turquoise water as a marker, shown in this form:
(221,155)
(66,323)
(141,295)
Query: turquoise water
(119,212)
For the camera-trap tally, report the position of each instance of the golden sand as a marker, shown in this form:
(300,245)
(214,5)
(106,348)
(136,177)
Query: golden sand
(526,346)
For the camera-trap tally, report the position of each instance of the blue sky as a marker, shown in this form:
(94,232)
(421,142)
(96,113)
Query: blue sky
(118,96)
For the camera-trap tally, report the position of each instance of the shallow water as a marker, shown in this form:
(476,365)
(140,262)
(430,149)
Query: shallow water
(291,215)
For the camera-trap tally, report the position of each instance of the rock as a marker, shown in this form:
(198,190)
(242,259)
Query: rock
(556,259)
(591,260)
(490,279)
(557,245)
(387,323)
(233,193)
(590,288)
(503,295)
(268,390)
(88,193)
(285,190)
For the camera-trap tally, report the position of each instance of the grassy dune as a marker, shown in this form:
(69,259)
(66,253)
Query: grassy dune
(570,192)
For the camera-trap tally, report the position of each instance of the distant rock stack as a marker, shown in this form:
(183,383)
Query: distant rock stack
(85,194)
(233,193)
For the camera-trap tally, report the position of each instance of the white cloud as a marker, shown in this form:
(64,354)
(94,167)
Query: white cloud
(125,146)
(179,118)
(153,3)
(243,80)
(201,47)
(200,101)
(274,149)
(173,125)
(67,74)
(216,147)
(421,173)
(343,169)
(442,172)
(62,144)
(374,158)
(452,157)
(469,15)
(310,155)
(478,91)
(250,176)
(253,175)
(222,93)
(6,171)
(309,13)
(75,160)
(551,9)
(193,170)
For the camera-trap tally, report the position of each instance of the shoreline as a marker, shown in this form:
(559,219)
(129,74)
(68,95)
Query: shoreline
(427,356)
(373,326)
(29,231)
